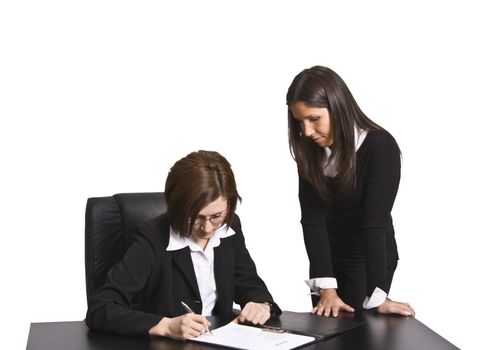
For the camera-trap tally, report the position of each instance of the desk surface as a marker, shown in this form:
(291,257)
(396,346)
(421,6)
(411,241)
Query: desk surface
(379,332)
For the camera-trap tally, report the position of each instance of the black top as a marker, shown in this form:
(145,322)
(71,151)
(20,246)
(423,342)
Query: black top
(150,282)
(360,223)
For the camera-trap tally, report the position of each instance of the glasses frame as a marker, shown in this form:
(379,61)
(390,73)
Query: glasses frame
(200,221)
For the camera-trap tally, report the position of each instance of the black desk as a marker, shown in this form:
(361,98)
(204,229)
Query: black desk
(379,332)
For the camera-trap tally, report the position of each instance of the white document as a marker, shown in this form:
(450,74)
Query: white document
(252,338)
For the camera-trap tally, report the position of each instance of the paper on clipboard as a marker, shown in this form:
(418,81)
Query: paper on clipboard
(246,337)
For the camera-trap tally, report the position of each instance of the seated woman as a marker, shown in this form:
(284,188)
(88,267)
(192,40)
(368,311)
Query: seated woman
(194,254)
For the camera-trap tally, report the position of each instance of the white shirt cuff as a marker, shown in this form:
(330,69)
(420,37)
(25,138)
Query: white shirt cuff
(321,283)
(377,298)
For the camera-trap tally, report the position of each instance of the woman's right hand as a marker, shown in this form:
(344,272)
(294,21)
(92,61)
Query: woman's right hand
(330,304)
(181,327)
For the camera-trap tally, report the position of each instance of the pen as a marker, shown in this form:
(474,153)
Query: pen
(188,309)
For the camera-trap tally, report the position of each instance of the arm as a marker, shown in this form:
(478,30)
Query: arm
(383,177)
(380,192)
(315,232)
(319,252)
(250,290)
(110,309)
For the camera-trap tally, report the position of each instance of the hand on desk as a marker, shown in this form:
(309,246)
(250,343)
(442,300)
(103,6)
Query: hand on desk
(255,313)
(183,327)
(395,307)
(330,304)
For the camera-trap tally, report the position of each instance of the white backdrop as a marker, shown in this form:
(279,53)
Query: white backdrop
(102,97)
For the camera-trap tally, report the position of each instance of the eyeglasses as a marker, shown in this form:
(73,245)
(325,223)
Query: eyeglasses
(215,219)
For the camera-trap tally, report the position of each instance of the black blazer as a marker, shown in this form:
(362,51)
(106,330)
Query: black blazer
(149,283)
(358,226)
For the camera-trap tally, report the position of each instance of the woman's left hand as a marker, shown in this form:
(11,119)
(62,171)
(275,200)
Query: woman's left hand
(256,313)
(395,307)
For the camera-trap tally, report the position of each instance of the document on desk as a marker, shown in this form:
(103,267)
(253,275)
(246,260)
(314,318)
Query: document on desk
(246,337)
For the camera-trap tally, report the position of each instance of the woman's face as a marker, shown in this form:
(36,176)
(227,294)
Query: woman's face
(208,221)
(315,122)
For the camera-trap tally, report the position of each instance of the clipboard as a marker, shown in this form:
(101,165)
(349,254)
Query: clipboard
(319,327)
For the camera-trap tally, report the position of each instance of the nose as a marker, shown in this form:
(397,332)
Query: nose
(307,129)
(207,226)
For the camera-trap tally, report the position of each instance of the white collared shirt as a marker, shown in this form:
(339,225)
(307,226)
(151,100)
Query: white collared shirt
(203,262)
(330,167)
(378,296)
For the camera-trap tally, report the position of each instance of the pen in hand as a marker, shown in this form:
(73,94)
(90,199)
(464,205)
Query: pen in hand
(188,309)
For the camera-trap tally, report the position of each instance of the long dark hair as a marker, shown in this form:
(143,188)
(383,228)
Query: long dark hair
(321,87)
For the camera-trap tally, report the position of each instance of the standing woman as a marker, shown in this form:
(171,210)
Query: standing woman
(349,171)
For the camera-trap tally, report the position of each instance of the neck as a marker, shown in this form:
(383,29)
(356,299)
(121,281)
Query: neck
(202,242)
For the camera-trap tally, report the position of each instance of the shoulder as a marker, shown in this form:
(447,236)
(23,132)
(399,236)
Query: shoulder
(236,223)
(380,143)
(154,232)
(237,238)
(380,138)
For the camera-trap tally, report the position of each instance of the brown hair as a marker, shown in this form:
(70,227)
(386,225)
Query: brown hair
(195,181)
(321,87)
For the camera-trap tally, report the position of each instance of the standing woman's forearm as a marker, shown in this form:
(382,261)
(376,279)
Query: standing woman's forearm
(383,177)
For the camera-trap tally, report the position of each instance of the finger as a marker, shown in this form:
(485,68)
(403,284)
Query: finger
(198,327)
(248,313)
(410,308)
(242,316)
(409,311)
(191,333)
(405,312)
(401,309)
(327,310)
(413,311)
(259,316)
(320,310)
(263,316)
(199,323)
(347,308)
(334,311)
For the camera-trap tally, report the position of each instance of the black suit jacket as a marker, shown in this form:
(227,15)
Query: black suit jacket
(356,227)
(150,282)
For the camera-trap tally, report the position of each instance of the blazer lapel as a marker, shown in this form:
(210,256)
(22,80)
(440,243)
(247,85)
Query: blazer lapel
(182,258)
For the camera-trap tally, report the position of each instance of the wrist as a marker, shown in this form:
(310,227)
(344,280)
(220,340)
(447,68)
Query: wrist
(326,292)
(269,307)
(161,328)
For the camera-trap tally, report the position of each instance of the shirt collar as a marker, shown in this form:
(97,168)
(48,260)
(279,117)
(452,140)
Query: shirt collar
(359,136)
(176,241)
(330,166)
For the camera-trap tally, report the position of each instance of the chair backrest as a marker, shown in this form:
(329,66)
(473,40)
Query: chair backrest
(109,225)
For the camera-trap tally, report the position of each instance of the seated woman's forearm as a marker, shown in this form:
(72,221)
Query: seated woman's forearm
(181,327)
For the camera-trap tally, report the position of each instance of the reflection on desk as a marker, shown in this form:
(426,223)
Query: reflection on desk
(379,332)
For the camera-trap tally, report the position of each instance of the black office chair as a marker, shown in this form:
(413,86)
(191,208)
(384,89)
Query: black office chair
(109,224)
